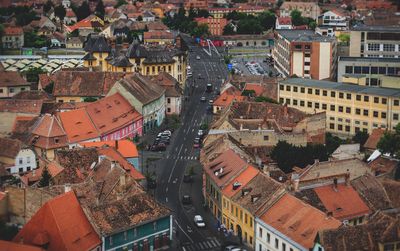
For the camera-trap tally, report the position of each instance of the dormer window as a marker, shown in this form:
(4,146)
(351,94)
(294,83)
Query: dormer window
(56,140)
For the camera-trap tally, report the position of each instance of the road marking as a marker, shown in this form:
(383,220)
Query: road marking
(217,242)
(183,231)
(166,199)
(166,190)
(213,243)
(206,244)
(173,168)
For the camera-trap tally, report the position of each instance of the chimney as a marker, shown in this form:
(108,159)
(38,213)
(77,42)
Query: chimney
(335,182)
(347,178)
(67,188)
(116,144)
(296,183)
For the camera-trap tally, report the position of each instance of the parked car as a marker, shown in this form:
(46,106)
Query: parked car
(198,220)
(196,142)
(203,99)
(186,200)
(210,102)
(230,248)
(198,57)
(200,133)
(167,132)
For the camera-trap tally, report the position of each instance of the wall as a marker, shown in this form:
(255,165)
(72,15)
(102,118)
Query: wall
(174,107)
(23,203)
(7,121)
(67,99)
(355,44)
(297,63)
(324,60)
(26,159)
(11,91)
(128,131)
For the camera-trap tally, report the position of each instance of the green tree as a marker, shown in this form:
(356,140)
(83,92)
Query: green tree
(267,20)
(360,137)
(332,142)
(32,74)
(90,99)
(60,12)
(45,179)
(203,13)
(265,99)
(249,26)
(297,19)
(344,38)
(100,11)
(83,11)
(7,233)
(201,31)
(390,142)
(228,30)
(47,6)
(120,3)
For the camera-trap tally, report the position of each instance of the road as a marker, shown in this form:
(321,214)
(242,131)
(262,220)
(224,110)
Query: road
(181,155)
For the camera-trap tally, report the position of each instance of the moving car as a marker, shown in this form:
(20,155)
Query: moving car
(210,102)
(186,199)
(209,88)
(198,220)
(198,57)
(196,142)
(203,99)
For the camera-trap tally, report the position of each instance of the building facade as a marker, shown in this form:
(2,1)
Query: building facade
(11,83)
(333,19)
(13,38)
(375,41)
(308,9)
(305,54)
(215,25)
(349,108)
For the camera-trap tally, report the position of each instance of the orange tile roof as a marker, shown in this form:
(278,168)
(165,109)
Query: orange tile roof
(374,138)
(258,89)
(298,220)
(112,153)
(112,113)
(47,130)
(158,35)
(12,31)
(344,203)
(84,23)
(62,223)
(78,125)
(226,99)
(35,175)
(126,147)
(245,177)
(12,246)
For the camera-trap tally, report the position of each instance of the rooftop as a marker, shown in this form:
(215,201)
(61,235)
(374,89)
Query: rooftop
(374,138)
(297,220)
(126,147)
(303,35)
(78,126)
(370,60)
(240,181)
(13,31)
(377,28)
(48,133)
(12,79)
(21,106)
(12,246)
(10,148)
(358,89)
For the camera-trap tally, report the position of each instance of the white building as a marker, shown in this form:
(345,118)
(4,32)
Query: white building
(283,23)
(333,19)
(15,157)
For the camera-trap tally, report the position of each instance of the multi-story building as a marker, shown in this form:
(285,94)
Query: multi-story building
(308,9)
(13,38)
(196,4)
(283,23)
(158,37)
(349,108)
(375,41)
(333,19)
(12,83)
(215,25)
(246,9)
(384,72)
(305,54)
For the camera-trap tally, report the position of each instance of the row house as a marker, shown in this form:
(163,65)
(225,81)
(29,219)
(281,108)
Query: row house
(13,38)
(173,93)
(86,26)
(215,25)
(11,83)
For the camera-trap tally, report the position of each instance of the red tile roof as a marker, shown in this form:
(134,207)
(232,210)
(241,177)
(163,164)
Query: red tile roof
(12,78)
(126,147)
(158,35)
(225,99)
(21,106)
(344,202)
(257,88)
(298,220)
(35,175)
(285,20)
(241,180)
(49,133)
(62,224)
(13,31)
(11,246)
(112,153)
(374,138)
(78,125)
(112,113)
(85,23)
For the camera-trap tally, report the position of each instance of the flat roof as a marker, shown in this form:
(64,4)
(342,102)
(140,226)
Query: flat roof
(303,36)
(370,60)
(370,90)
(388,28)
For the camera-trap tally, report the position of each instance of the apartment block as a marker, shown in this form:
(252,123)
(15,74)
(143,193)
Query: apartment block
(384,72)
(349,108)
(215,25)
(305,54)
(375,41)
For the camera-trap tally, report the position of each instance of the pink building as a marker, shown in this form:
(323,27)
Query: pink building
(215,25)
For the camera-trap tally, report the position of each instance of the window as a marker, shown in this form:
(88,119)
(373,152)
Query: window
(366,98)
(268,238)
(376,100)
(295,89)
(349,69)
(294,101)
(28,159)
(348,96)
(333,94)
(347,128)
(396,102)
(341,95)
(11,90)
(324,106)
(374,70)
(358,111)
(373,47)
(324,93)
(395,116)
(56,140)
(168,109)
(281,100)
(20,161)
(309,91)
(358,97)
(111,241)
(301,102)
(365,112)
(288,101)
(340,108)
(283,247)
(288,88)
(28,168)
(1,90)
(340,127)
(281,87)
(348,110)
(169,100)
(383,115)
(365,70)
(302,90)
(266,138)
(276,243)
(384,101)
(332,108)
(316,105)
(309,104)
(388,47)
(357,69)
(382,70)
(316,91)
(20,170)
(260,232)
(260,247)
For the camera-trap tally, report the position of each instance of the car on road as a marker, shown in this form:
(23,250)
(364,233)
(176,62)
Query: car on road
(203,99)
(186,199)
(198,220)
(200,133)
(210,102)
(198,57)
(196,142)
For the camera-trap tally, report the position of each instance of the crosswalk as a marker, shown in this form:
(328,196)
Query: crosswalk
(210,243)
(188,157)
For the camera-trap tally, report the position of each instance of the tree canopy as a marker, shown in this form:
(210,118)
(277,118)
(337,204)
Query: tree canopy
(298,19)
(47,6)
(83,11)
(60,12)
(32,74)
(100,10)
(45,179)
(390,142)
(250,24)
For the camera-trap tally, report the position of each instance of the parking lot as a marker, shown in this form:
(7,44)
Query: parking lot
(253,66)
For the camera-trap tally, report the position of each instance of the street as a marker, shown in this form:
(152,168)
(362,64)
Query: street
(181,155)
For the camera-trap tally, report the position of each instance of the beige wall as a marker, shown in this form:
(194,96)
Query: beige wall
(355,44)
(298,63)
(325,55)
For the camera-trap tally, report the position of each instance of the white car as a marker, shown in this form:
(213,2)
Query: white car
(198,57)
(198,220)
(210,102)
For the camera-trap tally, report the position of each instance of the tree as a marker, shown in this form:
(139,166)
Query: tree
(249,26)
(332,142)
(344,38)
(120,3)
(45,179)
(390,142)
(47,6)
(83,11)
(200,31)
(267,19)
(297,19)
(228,30)
(60,12)
(140,18)
(90,99)
(32,74)
(100,11)
(203,13)
(360,137)
(265,99)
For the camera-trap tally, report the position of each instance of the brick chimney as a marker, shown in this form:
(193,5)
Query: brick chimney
(116,144)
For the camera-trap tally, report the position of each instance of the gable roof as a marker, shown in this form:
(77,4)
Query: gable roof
(257,88)
(13,31)
(78,125)
(12,246)
(11,79)
(21,106)
(343,201)
(297,220)
(374,138)
(62,224)
(240,181)
(169,83)
(383,165)
(126,147)
(142,88)
(35,175)
(111,113)
(10,147)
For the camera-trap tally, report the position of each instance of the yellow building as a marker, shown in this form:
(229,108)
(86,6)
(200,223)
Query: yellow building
(243,199)
(349,108)
(148,61)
